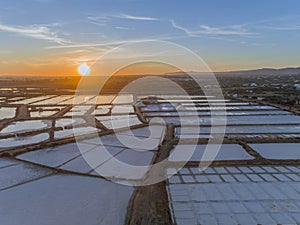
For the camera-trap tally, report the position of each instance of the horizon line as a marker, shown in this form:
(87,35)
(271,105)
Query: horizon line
(144,74)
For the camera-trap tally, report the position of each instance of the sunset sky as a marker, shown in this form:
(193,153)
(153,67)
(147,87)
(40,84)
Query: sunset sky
(54,37)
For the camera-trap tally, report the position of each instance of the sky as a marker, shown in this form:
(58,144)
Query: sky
(54,37)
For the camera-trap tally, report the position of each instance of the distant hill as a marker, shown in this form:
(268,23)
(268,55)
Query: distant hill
(265,71)
(255,72)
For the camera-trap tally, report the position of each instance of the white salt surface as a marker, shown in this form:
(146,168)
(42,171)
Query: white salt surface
(153,131)
(123,99)
(75,131)
(81,108)
(216,104)
(79,164)
(18,173)
(258,107)
(226,152)
(103,159)
(245,203)
(283,151)
(35,99)
(78,110)
(68,121)
(176,97)
(194,100)
(56,156)
(20,141)
(235,120)
(135,158)
(115,122)
(78,99)
(217,113)
(42,113)
(101,99)
(16,98)
(54,100)
(27,125)
(101,110)
(4,162)
(7,113)
(122,109)
(271,129)
(64,200)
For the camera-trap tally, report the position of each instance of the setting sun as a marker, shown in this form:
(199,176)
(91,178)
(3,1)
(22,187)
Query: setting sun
(84,69)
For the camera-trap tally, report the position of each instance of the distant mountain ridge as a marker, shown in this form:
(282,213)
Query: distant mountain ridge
(265,71)
(255,72)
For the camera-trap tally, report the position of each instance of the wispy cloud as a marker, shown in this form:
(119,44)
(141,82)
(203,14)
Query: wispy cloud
(89,45)
(124,28)
(111,44)
(280,27)
(98,20)
(234,30)
(103,20)
(231,30)
(131,17)
(187,31)
(36,31)
(282,23)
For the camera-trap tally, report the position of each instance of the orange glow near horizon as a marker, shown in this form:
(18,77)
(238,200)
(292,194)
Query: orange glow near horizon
(61,66)
(68,64)
(71,69)
(147,68)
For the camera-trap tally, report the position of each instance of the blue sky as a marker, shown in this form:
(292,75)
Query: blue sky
(228,35)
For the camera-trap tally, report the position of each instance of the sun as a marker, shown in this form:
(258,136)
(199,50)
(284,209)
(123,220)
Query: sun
(84,69)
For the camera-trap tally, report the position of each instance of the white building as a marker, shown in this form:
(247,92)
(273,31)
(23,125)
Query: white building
(297,87)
